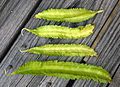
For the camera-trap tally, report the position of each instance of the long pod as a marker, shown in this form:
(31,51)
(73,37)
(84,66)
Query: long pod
(67,15)
(54,31)
(63,50)
(66,70)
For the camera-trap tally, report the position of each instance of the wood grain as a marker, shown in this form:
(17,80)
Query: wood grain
(13,16)
(116,80)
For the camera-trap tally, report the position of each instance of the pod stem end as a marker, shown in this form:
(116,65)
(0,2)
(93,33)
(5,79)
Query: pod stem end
(23,30)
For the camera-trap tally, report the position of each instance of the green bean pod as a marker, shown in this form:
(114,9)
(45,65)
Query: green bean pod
(67,15)
(66,70)
(54,31)
(63,50)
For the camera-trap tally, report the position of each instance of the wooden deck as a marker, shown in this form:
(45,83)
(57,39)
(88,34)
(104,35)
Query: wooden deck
(17,14)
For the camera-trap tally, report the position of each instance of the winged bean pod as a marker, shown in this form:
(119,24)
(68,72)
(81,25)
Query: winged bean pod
(67,15)
(66,70)
(63,50)
(54,31)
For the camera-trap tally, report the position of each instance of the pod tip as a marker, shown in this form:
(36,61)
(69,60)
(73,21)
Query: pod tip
(100,11)
(23,30)
(37,15)
(22,51)
(5,72)
(10,74)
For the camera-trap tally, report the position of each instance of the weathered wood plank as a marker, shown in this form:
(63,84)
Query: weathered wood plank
(116,80)
(107,46)
(33,23)
(13,16)
(15,58)
(2,4)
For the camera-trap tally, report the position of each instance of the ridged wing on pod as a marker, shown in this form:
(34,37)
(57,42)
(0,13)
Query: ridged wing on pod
(54,31)
(63,50)
(67,15)
(66,70)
